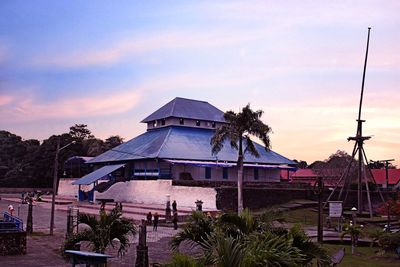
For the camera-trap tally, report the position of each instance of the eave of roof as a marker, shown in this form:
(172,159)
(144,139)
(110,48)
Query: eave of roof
(184,143)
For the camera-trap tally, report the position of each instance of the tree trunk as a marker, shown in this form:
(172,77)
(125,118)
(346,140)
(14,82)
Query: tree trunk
(240,178)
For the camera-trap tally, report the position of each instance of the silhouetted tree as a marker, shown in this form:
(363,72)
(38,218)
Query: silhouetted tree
(80,132)
(113,141)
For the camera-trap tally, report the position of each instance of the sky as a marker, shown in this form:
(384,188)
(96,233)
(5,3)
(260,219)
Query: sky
(110,64)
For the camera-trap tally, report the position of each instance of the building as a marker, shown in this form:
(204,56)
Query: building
(176,146)
(392,180)
(332,177)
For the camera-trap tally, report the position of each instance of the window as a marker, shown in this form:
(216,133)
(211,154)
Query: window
(197,123)
(225,173)
(181,121)
(163,122)
(208,172)
(255,173)
(213,124)
(154,123)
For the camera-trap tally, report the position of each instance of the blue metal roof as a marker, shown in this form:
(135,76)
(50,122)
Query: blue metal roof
(186,143)
(97,174)
(189,109)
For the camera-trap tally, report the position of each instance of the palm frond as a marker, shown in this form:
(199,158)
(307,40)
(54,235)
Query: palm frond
(103,231)
(89,220)
(250,147)
(195,231)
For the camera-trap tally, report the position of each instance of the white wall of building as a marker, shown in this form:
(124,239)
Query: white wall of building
(156,191)
(199,173)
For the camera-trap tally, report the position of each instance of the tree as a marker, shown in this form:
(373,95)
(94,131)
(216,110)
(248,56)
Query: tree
(103,231)
(113,141)
(80,132)
(93,147)
(355,232)
(334,167)
(238,130)
(244,240)
(301,164)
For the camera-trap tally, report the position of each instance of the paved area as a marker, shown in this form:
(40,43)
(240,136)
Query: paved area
(44,250)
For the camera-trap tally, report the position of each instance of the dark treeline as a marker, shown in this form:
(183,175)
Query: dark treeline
(29,163)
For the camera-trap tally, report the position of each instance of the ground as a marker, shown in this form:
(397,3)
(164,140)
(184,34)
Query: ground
(44,250)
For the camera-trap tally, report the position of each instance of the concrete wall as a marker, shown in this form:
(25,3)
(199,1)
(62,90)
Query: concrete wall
(258,197)
(156,191)
(65,187)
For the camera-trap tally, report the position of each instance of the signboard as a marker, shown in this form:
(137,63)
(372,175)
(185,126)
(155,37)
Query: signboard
(335,209)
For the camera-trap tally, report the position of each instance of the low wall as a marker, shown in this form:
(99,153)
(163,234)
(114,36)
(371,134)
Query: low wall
(66,188)
(10,190)
(12,243)
(156,191)
(256,198)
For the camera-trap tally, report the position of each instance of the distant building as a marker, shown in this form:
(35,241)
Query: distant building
(393,177)
(76,167)
(177,146)
(309,176)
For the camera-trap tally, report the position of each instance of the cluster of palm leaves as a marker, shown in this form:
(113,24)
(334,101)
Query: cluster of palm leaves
(244,240)
(385,240)
(103,231)
(355,231)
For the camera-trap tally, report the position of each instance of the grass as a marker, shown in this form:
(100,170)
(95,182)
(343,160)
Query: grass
(366,257)
(302,216)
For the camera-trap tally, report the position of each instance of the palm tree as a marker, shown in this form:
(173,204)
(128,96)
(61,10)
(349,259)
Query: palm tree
(243,240)
(194,231)
(355,232)
(238,129)
(103,231)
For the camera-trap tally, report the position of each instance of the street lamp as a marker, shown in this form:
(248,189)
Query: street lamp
(353,213)
(55,179)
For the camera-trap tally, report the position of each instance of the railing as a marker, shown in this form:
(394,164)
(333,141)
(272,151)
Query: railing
(7,218)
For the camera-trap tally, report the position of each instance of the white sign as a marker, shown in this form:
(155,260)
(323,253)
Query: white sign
(335,209)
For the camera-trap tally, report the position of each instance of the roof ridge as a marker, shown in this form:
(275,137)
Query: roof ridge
(196,100)
(173,107)
(165,140)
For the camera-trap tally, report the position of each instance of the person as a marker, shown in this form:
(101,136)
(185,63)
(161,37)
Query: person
(174,206)
(148,217)
(120,206)
(10,209)
(155,221)
(103,206)
(175,220)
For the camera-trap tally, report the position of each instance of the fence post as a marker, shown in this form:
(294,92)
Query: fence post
(142,255)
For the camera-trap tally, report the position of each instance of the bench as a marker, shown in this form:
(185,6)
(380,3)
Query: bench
(88,258)
(338,257)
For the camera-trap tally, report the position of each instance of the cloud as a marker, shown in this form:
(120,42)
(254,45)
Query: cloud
(120,50)
(5,99)
(29,108)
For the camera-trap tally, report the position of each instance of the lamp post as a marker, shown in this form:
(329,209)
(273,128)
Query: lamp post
(354,215)
(55,178)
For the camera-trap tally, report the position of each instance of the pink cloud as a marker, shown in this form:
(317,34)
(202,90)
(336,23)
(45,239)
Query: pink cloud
(121,49)
(30,108)
(5,99)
